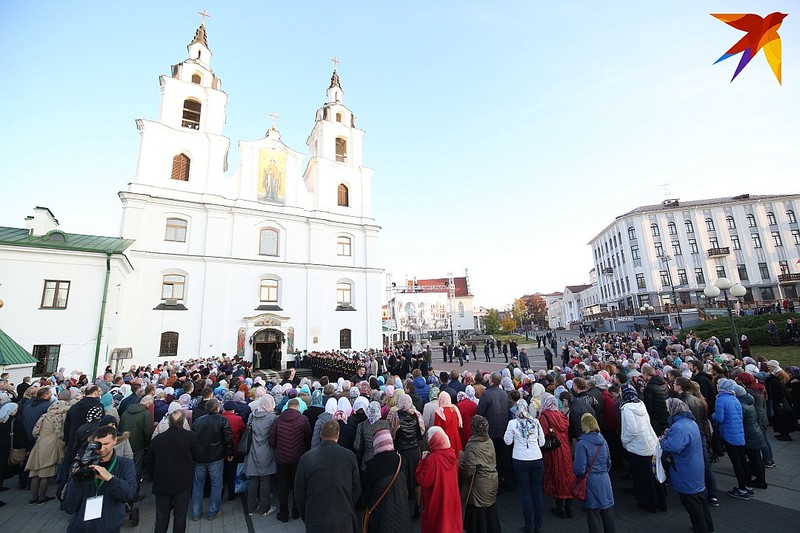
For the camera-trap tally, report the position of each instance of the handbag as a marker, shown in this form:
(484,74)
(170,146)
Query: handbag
(368,512)
(578,488)
(243,448)
(551,441)
(17,455)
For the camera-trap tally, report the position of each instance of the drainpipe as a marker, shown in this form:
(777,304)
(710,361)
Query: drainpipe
(102,317)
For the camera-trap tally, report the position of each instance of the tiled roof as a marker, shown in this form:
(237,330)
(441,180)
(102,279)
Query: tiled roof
(574,289)
(57,240)
(677,204)
(440,285)
(12,353)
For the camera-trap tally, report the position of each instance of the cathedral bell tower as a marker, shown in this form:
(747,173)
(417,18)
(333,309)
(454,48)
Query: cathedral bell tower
(185,148)
(335,172)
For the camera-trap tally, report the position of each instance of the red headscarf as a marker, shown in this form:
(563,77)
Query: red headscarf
(750,382)
(438,439)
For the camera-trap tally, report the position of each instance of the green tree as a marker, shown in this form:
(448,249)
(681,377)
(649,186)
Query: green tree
(491,322)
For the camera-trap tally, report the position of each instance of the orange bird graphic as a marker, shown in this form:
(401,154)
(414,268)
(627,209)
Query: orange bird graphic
(761,33)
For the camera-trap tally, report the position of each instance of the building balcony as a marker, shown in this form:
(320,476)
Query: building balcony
(608,271)
(789,278)
(718,252)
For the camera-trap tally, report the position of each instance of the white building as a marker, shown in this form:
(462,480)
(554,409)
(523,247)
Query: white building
(278,257)
(572,305)
(555,309)
(646,253)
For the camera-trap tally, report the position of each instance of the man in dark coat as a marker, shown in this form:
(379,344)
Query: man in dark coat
(494,406)
(327,485)
(170,461)
(655,399)
(200,407)
(216,443)
(707,389)
(548,357)
(89,408)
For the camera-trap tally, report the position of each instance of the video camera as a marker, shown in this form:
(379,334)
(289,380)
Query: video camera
(81,463)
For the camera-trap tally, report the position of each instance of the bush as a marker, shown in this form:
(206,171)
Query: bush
(755,327)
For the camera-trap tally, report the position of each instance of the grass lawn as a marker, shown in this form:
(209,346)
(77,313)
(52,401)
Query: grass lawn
(786,355)
(509,338)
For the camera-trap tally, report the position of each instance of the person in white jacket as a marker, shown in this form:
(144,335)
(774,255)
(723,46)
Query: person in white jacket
(639,439)
(526,434)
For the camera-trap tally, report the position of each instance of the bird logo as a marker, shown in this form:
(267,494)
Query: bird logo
(762,32)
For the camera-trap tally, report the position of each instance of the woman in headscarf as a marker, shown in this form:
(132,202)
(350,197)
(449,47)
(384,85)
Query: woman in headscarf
(429,410)
(330,409)
(558,475)
(391,514)
(316,408)
(407,428)
(448,417)
(468,409)
(639,439)
(186,401)
(359,412)
(163,424)
(537,389)
(108,405)
(258,393)
(599,503)
(758,392)
(366,433)
(525,434)
(477,466)
(437,474)
(259,464)
(48,452)
(347,432)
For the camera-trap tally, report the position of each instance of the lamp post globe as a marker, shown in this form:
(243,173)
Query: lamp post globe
(723,283)
(712,291)
(738,290)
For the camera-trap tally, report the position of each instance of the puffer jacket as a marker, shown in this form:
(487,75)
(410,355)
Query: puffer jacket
(421,387)
(638,436)
(753,436)
(655,400)
(728,415)
(408,432)
(290,436)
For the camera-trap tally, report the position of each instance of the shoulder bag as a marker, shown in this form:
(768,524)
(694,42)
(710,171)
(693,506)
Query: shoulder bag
(17,455)
(551,441)
(245,442)
(578,488)
(368,512)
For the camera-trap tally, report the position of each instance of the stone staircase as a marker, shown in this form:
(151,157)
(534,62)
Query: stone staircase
(274,375)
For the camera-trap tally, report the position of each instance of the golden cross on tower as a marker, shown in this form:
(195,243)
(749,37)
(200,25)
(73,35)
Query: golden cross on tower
(204,15)
(275,118)
(335,62)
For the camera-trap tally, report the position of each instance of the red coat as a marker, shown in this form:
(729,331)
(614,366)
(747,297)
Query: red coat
(558,474)
(609,413)
(450,427)
(437,474)
(237,426)
(468,409)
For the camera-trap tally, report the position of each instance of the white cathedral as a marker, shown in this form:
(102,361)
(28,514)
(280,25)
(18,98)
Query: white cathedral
(279,257)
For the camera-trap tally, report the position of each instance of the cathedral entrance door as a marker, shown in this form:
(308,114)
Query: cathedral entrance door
(268,343)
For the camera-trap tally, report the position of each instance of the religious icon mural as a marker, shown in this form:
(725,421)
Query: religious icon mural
(240,343)
(271,175)
(290,340)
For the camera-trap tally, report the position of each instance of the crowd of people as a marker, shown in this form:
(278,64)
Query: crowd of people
(381,441)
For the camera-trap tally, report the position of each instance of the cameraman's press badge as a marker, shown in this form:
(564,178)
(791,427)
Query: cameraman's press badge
(94,508)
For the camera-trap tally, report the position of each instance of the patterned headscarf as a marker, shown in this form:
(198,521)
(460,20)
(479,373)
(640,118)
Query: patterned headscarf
(675,406)
(525,422)
(470,391)
(793,371)
(548,403)
(507,384)
(480,427)
(629,395)
(373,412)
(433,394)
(316,398)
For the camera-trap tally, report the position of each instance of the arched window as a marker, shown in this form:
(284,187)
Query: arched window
(191,114)
(268,242)
(631,233)
(176,230)
(169,344)
(344,246)
(771,219)
(197,78)
(269,291)
(689,226)
(344,294)
(751,221)
(791,217)
(460,309)
(731,223)
(654,230)
(345,339)
(180,167)
(672,229)
(343,195)
(709,224)
(172,286)
(341,149)
(338,117)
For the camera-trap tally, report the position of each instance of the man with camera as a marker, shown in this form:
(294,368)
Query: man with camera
(100,483)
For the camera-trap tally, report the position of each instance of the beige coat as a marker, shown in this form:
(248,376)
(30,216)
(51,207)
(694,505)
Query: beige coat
(48,452)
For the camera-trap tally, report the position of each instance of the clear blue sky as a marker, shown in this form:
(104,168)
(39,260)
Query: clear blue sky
(504,135)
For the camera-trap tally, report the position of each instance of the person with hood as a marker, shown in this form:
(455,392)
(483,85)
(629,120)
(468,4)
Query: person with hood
(138,422)
(687,470)
(437,474)
(448,417)
(477,466)
(753,439)
(391,514)
(558,475)
(592,448)
(365,433)
(639,439)
(259,464)
(421,387)
(689,393)
(730,425)
(48,451)
(525,434)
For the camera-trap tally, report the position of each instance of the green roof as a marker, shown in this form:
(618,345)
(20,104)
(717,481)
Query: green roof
(12,353)
(58,240)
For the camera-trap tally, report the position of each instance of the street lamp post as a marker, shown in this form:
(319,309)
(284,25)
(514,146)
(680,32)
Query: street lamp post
(725,285)
(647,309)
(666,258)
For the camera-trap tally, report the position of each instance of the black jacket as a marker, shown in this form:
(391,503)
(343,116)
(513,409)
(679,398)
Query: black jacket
(494,406)
(214,436)
(78,415)
(408,432)
(170,460)
(655,400)
(34,409)
(578,406)
(706,389)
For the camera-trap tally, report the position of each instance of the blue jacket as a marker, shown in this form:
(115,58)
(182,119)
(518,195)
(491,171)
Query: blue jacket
(683,441)
(728,414)
(422,389)
(599,494)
